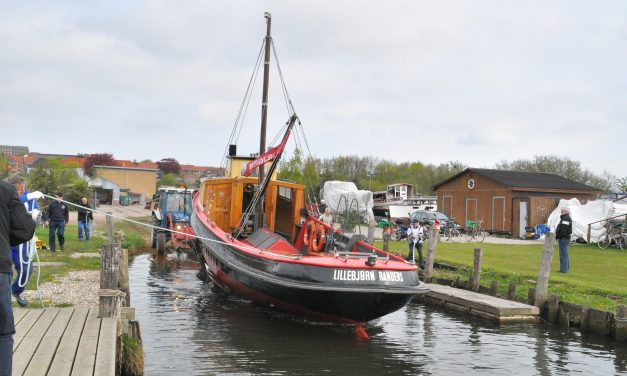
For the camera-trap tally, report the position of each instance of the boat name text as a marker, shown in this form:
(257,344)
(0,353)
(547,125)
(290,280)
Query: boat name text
(367,275)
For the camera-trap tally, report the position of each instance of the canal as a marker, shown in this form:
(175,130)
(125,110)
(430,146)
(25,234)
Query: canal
(190,330)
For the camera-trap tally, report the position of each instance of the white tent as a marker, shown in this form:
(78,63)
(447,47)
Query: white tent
(343,195)
(581,215)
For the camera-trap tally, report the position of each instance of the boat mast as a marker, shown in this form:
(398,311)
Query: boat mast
(264,114)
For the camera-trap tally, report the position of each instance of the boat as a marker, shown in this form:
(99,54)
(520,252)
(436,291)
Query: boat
(398,201)
(255,239)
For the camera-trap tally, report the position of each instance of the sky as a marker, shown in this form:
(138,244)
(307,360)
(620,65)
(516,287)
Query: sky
(472,81)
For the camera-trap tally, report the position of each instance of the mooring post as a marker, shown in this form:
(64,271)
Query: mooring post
(531,295)
(109,295)
(494,288)
(554,305)
(621,323)
(123,284)
(511,291)
(475,279)
(433,242)
(545,270)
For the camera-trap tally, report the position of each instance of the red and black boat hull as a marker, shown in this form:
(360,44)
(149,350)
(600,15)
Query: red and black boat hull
(316,291)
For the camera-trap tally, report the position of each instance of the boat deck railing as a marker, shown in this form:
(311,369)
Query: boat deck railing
(345,256)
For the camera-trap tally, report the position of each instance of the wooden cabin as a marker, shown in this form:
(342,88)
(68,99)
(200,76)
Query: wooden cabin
(224,200)
(506,201)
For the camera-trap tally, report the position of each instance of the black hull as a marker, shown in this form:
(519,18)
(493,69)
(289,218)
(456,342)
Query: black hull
(314,291)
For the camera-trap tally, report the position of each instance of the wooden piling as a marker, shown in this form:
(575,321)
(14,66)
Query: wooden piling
(123,284)
(554,302)
(433,242)
(494,288)
(545,270)
(511,291)
(621,323)
(531,295)
(475,279)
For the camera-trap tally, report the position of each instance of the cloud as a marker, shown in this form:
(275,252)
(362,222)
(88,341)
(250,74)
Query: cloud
(456,80)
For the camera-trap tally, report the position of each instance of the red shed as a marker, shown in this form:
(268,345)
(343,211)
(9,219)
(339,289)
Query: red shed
(507,201)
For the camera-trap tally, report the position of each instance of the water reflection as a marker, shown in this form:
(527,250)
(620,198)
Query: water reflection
(189,329)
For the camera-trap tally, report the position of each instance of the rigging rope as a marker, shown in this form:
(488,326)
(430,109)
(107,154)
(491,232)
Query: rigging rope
(244,106)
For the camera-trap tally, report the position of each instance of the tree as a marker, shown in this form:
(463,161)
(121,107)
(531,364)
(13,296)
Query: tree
(167,180)
(169,166)
(98,159)
(51,176)
(621,184)
(4,166)
(562,166)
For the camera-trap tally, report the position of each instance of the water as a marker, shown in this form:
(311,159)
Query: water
(189,330)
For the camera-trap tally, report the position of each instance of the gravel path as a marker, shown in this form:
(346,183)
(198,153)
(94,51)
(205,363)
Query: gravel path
(77,288)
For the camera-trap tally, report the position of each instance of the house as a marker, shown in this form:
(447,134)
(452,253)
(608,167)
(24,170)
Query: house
(140,183)
(191,174)
(105,191)
(506,201)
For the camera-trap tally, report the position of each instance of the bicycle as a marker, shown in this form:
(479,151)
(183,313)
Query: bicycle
(474,231)
(614,234)
(450,231)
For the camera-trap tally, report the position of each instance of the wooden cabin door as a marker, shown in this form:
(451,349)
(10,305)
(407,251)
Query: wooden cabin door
(498,213)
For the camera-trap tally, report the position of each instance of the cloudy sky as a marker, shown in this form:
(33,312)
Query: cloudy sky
(472,81)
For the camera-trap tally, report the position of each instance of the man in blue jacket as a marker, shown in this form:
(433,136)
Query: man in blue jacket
(21,253)
(16,227)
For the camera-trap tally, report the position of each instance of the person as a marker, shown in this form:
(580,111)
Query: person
(21,253)
(387,235)
(322,207)
(415,233)
(562,234)
(326,217)
(84,216)
(16,227)
(58,216)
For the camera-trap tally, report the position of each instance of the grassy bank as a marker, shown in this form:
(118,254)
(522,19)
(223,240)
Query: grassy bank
(597,278)
(134,238)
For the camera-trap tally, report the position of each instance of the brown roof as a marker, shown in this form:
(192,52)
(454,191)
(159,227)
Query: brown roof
(522,179)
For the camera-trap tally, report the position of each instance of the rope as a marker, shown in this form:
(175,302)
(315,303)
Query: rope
(244,106)
(153,226)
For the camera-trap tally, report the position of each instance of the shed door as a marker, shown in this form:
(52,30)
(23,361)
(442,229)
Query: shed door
(471,210)
(447,206)
(523,217)
(498,213)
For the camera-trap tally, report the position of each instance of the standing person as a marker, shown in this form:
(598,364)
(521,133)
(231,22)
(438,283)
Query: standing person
(84,216)
(562,234)
(21,253)
(415,233)
(16,227)
(58,215)
(326,217)
(387,234)
(322,207)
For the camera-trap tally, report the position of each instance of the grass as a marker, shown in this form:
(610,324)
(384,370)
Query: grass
(597,278)
(135,238)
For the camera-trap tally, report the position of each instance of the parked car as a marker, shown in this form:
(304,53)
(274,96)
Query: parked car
(428,217)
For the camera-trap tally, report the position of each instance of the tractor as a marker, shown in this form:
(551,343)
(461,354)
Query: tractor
(172,212)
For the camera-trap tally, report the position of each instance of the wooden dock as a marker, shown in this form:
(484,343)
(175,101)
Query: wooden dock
(482,305)
(63,341)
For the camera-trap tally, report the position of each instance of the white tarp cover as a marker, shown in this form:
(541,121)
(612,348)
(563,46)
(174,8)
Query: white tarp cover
(581,215)
(334,191)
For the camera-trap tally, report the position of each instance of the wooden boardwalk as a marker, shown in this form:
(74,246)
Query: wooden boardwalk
(63,341)
(487,306)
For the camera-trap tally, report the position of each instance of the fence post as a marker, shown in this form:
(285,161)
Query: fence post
(589,234)
(494,288)
(621,323)
(511,291)
(475,279)
(433,242)
(545,270)
(109,296)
